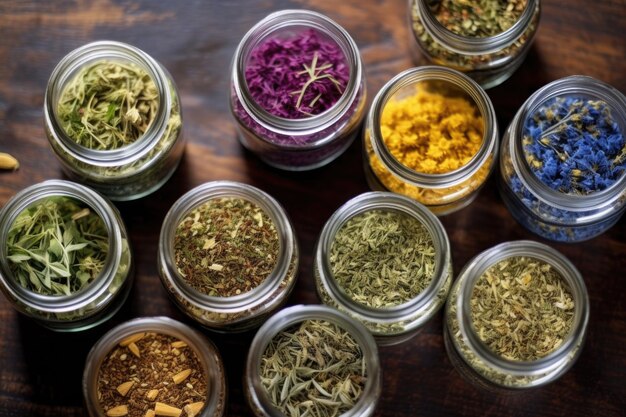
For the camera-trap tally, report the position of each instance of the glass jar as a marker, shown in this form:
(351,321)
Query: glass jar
(257,395)
(442,193)
(98,300)
(238,312)
(481,365)
(555,215)
(488,60)
(131,171)
(398,323)
(303,143)
(207,354)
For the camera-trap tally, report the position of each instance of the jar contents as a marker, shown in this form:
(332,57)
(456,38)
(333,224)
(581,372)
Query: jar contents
(521,308)
(382,258)
(478,19)
(226,247)
(297,77)
(57,246)
(574,145)
(108,105)
(313,368)
(152,374)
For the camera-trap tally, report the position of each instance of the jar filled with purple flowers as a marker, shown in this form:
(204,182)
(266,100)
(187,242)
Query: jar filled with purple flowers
(297,90)
(563,160)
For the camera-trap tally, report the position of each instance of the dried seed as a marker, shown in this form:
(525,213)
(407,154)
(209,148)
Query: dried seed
(8,162)
(132,339)
(125,387)
(161,409)
(193,409)
(152,394)
(133,348)
(119,411)
(181,376)
(179,344)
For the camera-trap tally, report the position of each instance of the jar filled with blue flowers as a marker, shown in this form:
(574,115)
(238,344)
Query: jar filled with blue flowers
(563,160)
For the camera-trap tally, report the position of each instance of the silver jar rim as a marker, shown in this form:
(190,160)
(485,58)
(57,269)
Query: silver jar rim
(206,352)
(377,200)
(568,86)
(310,125)
(92,53)
(555,360)
(219,189)
(457,79)
(473,45)
(61,303)
(296,314)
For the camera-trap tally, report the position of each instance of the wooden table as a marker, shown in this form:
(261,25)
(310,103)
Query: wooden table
(40,372)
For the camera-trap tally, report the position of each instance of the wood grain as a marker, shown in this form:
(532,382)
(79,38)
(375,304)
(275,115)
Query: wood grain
(40,372)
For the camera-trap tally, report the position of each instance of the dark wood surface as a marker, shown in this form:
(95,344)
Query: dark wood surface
(40,372)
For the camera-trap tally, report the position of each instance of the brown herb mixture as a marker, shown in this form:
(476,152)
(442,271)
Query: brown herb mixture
(151,374)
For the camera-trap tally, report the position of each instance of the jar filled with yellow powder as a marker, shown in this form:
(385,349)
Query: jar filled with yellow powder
(431,134)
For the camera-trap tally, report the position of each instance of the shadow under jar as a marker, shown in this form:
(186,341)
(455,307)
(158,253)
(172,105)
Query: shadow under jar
(228,255)
(65,259)
(563,160)
(516,317)
(384,259)
(297,90)
(312,359)
(154,366)
(487,40)
(431,135)
(113,118)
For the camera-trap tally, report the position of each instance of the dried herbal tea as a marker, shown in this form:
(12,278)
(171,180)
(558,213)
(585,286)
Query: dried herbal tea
(226,247)
(108,105)
(150,374)
(313,368)
(57,246)
(382,258)
(522,308)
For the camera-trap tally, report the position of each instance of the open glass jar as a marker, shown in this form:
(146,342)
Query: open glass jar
(563,160)
(116,379)
(392,299)
(487,45)
(206,270)
(325,332)
(113,118)
(415,117)
(514,359)
(65,259)
(297,90)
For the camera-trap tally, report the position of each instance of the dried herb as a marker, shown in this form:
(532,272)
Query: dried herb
(297,77)
(522,308)
(314,368)
(108,105)
(382,258)
(226,247)
(8,161)
(574,145)
(150,374)
(57,246)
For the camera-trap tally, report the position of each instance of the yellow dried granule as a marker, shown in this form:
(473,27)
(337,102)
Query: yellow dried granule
(432,133)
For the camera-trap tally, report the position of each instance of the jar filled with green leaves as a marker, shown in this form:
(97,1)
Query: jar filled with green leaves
(384,259)
(228,255)
(113,118)
(516,317)
(154,366)
(312,360)
(65,259)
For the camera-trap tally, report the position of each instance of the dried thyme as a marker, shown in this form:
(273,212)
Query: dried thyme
(57,246)
(382,258)
(108,105)
(522,309)
(150,374)
(314,368)
(226,247)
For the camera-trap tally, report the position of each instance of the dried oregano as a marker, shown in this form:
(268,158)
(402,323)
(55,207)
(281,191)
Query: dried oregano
(522,308)
(382,258)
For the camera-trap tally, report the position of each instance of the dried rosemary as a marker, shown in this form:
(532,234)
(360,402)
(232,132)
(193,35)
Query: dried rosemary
(226,247)
(521,308)
(57,246)
(108,105)
(314,368)
(382,258)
